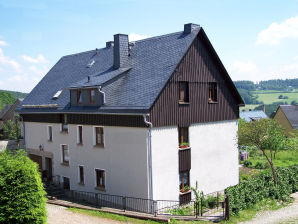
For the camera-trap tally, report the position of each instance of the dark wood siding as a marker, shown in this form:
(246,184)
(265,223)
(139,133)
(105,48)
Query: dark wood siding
(198,67)
(184,160)
(88,119)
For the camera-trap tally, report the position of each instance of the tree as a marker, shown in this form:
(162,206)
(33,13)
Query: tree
(22,196)
(263,134)
(12,129)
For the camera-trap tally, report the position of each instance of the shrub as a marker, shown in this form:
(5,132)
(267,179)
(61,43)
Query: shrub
(21,190)
(211,201)
(259,165)
(253,190)
(247,163)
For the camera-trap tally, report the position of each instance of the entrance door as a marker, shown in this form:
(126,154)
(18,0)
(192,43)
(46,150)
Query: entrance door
(66,184)
(37,159)
(49,168)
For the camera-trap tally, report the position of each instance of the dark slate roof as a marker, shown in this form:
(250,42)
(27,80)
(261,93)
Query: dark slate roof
(150,65)
(291,112)
(252,115)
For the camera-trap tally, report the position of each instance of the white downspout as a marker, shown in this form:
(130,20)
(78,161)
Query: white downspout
(149,152)
(103,93)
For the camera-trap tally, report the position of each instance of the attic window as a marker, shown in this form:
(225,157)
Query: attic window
(57,94)
(91,63)
(212,92)
(79,97)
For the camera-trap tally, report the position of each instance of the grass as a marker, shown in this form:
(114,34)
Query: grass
(282,159)
(249,214)
(270,97)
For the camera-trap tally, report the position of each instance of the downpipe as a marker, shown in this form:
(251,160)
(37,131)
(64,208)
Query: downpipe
(150,190)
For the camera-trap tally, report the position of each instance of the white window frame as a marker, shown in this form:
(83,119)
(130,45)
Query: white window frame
(62,161)
(48,132)
(79,177)
(78,136)
(94,136)
(95,179)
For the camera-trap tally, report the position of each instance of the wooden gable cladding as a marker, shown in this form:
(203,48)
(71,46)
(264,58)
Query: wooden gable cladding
(199,67)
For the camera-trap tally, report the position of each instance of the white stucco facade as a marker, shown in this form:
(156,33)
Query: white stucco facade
(123,157)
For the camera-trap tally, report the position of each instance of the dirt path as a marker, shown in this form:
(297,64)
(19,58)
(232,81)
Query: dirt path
(279,216)
(60,215)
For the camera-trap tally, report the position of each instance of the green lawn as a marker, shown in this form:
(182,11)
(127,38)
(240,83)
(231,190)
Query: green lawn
(282,159)
(272,96)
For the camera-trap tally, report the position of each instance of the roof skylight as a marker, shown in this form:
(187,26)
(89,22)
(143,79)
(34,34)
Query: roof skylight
(57,94)
(91,63)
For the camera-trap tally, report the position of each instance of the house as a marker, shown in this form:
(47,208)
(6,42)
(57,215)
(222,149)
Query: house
(143,119)
(253,115)
(287,117)
(8,113)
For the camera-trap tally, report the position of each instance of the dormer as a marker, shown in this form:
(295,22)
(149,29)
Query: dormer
(86,97)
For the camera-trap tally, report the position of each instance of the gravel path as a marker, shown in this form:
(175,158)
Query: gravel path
(60,215)
(279,216)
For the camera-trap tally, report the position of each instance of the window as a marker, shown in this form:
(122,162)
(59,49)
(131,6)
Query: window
(64,125)
(100,178)
(183,137)
(212,92)
(79,96)
(50,133)
(183,92)
(99,136)
(81,174)
(183,180)
(80,134)
(92,96)
(65,154)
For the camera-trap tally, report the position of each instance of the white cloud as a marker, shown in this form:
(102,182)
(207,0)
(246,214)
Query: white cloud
(243,67)
(39,59)
(8,61)
(277,32)
(135,37)
(3,43)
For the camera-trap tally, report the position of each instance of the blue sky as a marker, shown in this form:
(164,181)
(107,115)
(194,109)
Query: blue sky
(256,40)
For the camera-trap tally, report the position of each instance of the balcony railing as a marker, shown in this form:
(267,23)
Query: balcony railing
(184,159)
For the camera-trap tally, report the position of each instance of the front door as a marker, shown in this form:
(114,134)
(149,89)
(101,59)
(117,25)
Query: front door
(49,168)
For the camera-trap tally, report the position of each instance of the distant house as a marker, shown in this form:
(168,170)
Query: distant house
(253,115)
(287,117)
(144,119)
(8,113)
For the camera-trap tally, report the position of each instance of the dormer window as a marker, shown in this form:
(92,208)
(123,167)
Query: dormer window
(92,96)
(79,97)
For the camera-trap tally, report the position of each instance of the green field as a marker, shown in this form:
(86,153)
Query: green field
(270,96)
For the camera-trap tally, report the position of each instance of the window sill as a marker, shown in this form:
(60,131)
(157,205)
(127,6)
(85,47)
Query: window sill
(100,189)
(64,164)
(50,141)
(99,146)
(184,148)
(82,184)
(183,103)
(64,132)
(185,192)
(80,144)
(212,102)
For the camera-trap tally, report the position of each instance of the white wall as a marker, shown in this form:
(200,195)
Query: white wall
(165,164)
(214,155)
(124,157)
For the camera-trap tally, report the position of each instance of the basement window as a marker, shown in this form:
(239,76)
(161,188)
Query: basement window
(212,92)
(183,92)
(100,178)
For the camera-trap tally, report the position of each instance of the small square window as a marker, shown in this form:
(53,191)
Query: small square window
(183,92)
(92,96)
(212,92)
(100,178)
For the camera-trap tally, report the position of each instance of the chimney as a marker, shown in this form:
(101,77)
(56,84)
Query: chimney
(109,44)
(120,50)
(189,27)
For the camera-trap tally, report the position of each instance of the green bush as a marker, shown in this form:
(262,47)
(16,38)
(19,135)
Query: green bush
(247,163)
(22,196)
(248,193)
(259,165)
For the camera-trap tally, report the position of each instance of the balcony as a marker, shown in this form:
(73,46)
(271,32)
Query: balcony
(184,159)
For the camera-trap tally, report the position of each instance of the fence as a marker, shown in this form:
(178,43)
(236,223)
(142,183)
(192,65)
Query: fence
(207,206)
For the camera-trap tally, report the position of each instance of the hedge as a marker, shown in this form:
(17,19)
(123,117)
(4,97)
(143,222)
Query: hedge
(253,190)
(22,196)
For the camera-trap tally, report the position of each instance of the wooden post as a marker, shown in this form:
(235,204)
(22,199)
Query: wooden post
(227,207)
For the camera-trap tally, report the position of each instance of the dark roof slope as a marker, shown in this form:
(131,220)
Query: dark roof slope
(291,112)
(134,88)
